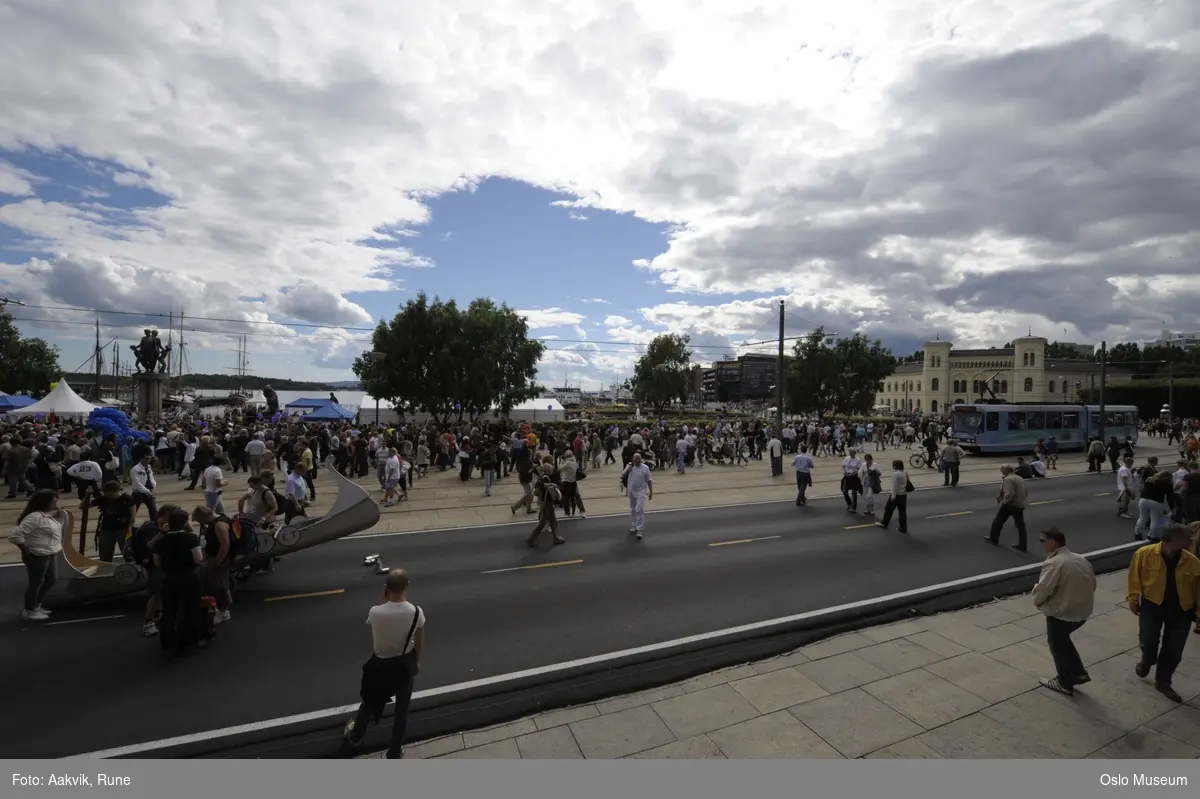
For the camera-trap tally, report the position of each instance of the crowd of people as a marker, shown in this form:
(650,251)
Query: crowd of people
(118,479)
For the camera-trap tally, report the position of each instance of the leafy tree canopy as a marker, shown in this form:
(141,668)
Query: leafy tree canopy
(27,365)
(842,377)
(660,377)
(448,361)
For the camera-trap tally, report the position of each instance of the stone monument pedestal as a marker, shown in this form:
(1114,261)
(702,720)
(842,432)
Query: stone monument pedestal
(151,391)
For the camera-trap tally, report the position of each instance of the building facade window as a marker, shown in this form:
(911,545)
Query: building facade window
(1028,384)
(933,406)
(1003,386)
(933,384)
(1051,386)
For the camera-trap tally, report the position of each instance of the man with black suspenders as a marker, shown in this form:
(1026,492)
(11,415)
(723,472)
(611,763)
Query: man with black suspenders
(398,631)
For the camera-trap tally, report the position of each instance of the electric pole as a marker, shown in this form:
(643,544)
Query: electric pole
(1171,389)
(779,378)
(1103,372)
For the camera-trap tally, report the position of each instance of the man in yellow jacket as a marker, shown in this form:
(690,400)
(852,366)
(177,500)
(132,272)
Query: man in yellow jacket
(1164,581)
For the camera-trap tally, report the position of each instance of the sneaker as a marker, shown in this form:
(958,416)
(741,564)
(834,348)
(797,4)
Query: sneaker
(1054,685)
(221,617)
(388,504)
(34,615)
(639,535)
(41,609)
(149,629)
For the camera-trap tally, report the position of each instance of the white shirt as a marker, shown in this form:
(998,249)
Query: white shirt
(1038,467)
(775,448)
(256,446)
(639,480)
(1124,479)
(899,484)
(390,623)
(391,470)
(85,471)
(143,479)
(851,466)
(803,463)
(213,478)
(189,454)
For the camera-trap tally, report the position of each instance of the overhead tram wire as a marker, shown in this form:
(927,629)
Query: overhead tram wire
(143,315)
(602,346)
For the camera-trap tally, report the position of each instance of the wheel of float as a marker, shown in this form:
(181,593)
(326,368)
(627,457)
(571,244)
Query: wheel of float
(289,536)
(264,543)
(127,574)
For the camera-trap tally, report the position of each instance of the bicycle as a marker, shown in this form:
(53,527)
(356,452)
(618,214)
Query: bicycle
(920,460)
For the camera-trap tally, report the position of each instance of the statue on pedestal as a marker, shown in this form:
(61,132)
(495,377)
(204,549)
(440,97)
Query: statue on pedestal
(151,355)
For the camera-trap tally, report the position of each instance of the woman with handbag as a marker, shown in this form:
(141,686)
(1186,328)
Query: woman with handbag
(398,633)
(898,501)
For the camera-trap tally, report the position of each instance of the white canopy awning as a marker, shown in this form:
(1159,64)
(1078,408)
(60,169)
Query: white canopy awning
(62,401)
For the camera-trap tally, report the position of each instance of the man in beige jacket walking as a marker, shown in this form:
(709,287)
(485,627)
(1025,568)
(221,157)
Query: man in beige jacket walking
(1012,498)
(1066,595)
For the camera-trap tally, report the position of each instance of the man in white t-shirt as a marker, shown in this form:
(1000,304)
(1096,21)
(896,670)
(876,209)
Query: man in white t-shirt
(640,488)
(1126,488)
(87,474)
(398,635)
(214,484)
(391,477)
(254,452)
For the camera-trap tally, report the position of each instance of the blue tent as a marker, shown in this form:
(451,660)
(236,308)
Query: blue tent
(11,401)
(309,403)
(329,413)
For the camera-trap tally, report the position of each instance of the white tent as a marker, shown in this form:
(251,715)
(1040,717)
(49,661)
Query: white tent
(62,401)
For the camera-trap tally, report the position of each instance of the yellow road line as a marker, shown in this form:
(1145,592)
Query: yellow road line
(859,526)
(535,566)
(1046,502)
(745,541)
(305,596)
(948,515)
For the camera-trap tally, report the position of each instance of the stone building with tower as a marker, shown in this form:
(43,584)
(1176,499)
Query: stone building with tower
(1020,373)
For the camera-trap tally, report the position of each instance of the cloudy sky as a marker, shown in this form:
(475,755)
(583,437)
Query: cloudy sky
(296,170)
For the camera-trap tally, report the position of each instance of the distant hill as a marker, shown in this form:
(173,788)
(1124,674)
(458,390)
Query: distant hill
(204,382)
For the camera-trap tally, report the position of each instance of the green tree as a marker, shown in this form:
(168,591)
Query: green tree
(27,365)
(841,378)
(450,362)
(660,377)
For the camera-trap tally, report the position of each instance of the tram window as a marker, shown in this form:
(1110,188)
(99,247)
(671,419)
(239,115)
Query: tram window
(1070,420)
(1054,420)
(1118,419)
(1016,420)
(993,421)
(1037,420)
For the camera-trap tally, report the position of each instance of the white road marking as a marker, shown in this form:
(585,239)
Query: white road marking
(81,621)
(150,746)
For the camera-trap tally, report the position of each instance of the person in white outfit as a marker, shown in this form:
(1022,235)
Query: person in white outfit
(640,488)
(872,483)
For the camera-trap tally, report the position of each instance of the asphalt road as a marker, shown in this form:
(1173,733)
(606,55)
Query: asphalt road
(88,682)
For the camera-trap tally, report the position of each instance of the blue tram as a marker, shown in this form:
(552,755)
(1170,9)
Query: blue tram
(996,428)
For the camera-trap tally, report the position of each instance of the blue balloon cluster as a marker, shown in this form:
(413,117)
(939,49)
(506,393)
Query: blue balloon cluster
(113,420)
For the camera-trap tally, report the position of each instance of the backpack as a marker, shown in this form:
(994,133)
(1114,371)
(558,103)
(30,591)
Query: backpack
(243,532)
(137,547)
(552,492)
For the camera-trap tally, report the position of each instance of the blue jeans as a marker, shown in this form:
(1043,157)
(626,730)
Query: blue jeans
(679,463)
(1151,518)
(487,481)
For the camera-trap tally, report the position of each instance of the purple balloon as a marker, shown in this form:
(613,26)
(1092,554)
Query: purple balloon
(549,407)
